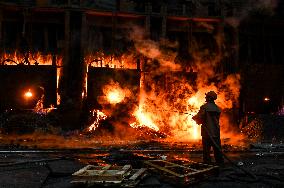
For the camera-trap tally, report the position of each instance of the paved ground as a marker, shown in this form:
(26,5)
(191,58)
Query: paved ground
(53,168)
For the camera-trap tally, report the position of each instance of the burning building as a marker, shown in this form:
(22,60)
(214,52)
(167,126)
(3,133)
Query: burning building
(115,84)
(145,64)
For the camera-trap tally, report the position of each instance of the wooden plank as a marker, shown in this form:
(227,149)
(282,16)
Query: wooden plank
(135,178)
(137,174)
(176,165)
(124,170)
(82,170)
(163,169)
(169,169)
(109,175)
(105,168)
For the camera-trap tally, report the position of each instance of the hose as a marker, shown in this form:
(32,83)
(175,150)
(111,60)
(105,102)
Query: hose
(253,176)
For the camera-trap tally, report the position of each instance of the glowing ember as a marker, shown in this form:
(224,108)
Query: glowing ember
(28,94)
(99,117)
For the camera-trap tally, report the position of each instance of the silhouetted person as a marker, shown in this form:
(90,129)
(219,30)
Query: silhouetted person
(208,116)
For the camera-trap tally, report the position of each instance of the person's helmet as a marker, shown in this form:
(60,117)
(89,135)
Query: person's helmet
(211,95)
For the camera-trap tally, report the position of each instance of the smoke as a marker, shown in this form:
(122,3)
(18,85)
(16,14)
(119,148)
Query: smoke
(271,4)
(247,8)
(154,50)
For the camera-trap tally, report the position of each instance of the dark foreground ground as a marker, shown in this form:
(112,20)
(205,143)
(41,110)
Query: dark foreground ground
(32,168)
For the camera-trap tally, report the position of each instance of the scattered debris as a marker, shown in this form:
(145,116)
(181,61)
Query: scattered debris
(109,175)
(262,146)
(185,173)
(240,163)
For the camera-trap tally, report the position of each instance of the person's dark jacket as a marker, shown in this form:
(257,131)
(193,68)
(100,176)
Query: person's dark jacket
(208,116)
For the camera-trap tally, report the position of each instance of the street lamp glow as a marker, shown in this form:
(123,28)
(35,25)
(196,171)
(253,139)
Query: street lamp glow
(266,99)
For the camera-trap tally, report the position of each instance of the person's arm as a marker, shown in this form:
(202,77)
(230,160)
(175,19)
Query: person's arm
(200,116)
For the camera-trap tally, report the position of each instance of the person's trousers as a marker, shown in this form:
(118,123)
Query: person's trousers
(207,144)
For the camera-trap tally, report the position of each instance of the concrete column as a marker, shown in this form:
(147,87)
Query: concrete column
(236,48)
(148,10)
(249,59)
(189,33)
(1,19)
(220,41)
(66,37)
(1,37)
(72,78)
(84,39)
(164,20)
(113,32)
(85,35)
(46,39)
(183,9)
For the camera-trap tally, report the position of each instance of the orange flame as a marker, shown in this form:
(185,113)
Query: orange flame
(33,59)
(114,93)
(28,94)
(174,117)
(168,105)
(144,120)
(58,72)
(171,103)
(126,61)
(115,96)
(99,117)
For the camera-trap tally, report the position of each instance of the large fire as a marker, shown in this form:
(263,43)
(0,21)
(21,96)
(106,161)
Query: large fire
(157,113)
(168,105)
